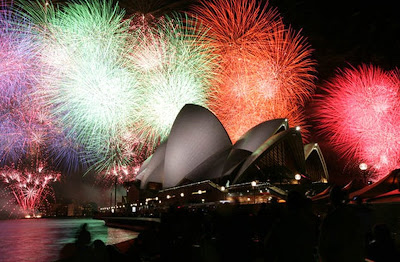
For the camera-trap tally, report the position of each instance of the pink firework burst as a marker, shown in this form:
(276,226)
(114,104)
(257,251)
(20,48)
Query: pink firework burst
(360,116)
(121,173)
(29,188)
(135,151)
(22,126)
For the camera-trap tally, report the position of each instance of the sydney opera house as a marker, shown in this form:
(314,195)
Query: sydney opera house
(198,160)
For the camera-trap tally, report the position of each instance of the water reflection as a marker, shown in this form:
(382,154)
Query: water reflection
(42,239)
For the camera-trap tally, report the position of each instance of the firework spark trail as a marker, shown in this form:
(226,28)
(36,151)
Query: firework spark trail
(177,66)
(123,174)
(87,83)
(292,68)
(360,116)
(133,149)
(65,153)
(266,70)
(21,126)
(29,189)
(16,58)
(12,141)
(236,24)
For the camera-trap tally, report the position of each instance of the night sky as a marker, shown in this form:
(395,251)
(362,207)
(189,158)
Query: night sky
(346,32)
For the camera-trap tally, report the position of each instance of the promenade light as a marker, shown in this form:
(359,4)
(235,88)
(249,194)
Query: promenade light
(363,166)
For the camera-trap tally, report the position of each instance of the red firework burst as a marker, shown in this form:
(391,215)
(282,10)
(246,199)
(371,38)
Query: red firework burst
(360,116)
(29,189)
(266,70)
(121,173)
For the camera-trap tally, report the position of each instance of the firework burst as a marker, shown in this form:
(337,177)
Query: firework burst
(29,189)
(360,116)
(176,65)
(266,70)
(98,90)
(119,174)
(16,56)
(21,125)
(87,83)
(65,153)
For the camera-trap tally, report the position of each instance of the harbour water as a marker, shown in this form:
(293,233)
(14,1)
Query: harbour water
(42,239)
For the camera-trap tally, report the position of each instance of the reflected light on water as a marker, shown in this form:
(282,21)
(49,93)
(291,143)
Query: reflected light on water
(42,239)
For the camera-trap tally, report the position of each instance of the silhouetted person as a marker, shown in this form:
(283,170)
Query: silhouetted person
(83,237)
(174,225)
(366,216)
(268,216)
(382,248)
(315,223)
(294,237)
(81,249)
(234,232)
(342,238)
(115,254)
(146,246)
(100,252)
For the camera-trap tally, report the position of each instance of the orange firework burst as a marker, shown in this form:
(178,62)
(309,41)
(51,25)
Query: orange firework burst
(266,69)
(238,22)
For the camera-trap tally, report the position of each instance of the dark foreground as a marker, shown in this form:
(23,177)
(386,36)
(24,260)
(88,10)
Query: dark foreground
(294,231)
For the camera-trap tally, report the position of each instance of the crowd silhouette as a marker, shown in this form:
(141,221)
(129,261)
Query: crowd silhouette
(268,232)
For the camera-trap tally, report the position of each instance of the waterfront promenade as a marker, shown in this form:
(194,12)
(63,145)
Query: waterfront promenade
(137,224)
(294,231)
